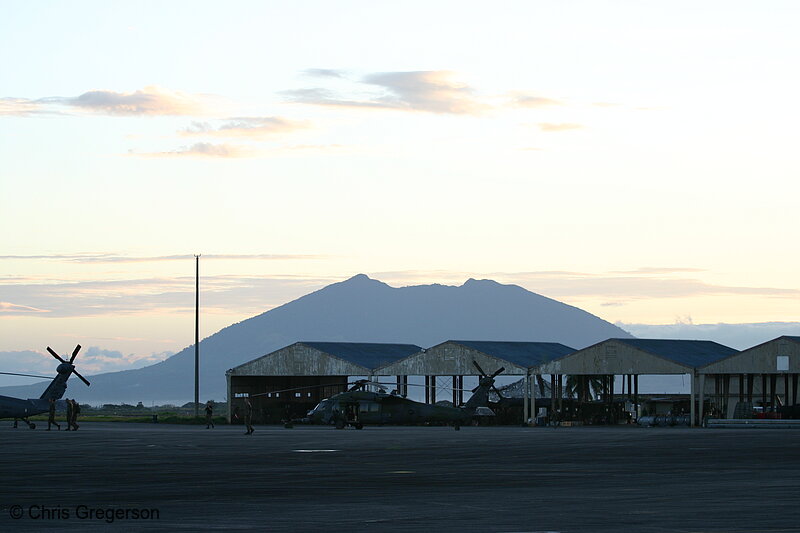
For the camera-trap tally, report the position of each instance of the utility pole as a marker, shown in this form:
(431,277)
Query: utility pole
(197,336)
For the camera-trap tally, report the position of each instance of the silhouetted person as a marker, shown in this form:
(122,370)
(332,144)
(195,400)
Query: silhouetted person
(76,410)
(209,415)
(69,414)
(51,415)
(248,416)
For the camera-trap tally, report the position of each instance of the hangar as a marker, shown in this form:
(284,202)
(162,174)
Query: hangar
(631,358)
(293,379)
(288,382)
(766,374)
(453,359)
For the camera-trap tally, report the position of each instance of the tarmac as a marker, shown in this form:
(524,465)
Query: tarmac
(158,477)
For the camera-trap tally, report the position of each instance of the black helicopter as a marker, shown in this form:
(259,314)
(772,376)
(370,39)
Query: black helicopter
(357,407)
(20,409)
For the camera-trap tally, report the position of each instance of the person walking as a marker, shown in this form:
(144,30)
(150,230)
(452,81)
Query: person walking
(209,415)
(76,409)
(248,416)
(51,415)
(69,414)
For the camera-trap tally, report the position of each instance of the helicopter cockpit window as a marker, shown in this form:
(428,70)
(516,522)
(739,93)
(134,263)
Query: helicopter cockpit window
(322,405)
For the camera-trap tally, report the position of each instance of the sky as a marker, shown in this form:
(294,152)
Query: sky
(634,159)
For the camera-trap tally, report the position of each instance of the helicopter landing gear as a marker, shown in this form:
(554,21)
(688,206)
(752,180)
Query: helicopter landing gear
(340,424)
(358,425)
(457,426)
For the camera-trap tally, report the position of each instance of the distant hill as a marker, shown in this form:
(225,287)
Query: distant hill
(359,309)
(739,336)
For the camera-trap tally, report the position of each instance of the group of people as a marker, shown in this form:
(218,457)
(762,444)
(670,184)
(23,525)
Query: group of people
(248,416)
(73,410)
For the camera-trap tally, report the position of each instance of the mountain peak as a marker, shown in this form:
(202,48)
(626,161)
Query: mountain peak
(472,282)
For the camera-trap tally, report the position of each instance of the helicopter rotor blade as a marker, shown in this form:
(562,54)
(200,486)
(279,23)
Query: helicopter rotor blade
(75,353)
(25,375)
(81,378)
(498,371)
(479,368)
(54,354)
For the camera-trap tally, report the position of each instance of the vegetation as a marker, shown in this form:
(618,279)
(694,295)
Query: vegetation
(162,414)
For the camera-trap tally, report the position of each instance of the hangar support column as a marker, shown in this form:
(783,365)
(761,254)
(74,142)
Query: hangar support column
(701,391)
(525,405)
(229,397)
(692,408)
(534,380)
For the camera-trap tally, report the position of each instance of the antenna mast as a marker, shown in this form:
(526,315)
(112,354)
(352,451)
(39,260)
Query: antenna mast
(197,336)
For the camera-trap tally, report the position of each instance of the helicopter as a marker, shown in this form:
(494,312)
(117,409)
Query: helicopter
(358,406)
(20,409)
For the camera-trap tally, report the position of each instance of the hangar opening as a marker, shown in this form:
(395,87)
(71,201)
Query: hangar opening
(287,383)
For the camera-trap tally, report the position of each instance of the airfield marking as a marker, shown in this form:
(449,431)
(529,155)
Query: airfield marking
(314,451)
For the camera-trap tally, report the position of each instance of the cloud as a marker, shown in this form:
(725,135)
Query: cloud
(314,147)
(522,99)
(90,361)
(111,258)
(551,127)
(203,150)
(658,270)
(20,107)
(419,91)
(618,288)
(324,73)
(8,307)
(254,127)
(232,294)
(149,101)
(165,295)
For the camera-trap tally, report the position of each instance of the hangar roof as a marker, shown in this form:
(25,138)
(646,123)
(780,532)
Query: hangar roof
(367,354)
(761,359)
(638,356)
(686,352)
(455,358)
(520,353)
(324,359)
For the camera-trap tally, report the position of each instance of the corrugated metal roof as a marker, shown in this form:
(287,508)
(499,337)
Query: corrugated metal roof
(366,354)
(524,354)
(690,353)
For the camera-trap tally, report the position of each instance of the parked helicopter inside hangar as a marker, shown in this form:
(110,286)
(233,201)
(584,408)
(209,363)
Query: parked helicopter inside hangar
(20,409)
(358,406)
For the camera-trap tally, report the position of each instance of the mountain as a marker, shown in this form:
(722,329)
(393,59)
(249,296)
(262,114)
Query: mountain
(359,309)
